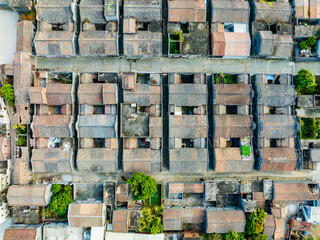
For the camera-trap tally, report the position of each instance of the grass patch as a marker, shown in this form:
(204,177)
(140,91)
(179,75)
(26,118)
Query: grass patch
(156,198)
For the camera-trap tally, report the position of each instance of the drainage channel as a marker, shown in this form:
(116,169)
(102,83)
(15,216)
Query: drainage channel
(211,124)
(165,117)
(120,150)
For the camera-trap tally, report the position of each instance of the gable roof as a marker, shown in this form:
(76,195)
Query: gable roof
(54,43)
(58,94)
(233,126)
(187,11)
(92,10)
(273,13)
(50,160)
(97,126)
(143,95)
(188,160)
(98,93)
(276,95)
(98,43)
(225,220)
(55,12)
(174,218)
(230,11)
(125,220)
(230,160)
(277,126)
(234,44)
(20,234)
(141,160)
(186,188)
(97,160)
(35,195)
(307,9)
(278,159)
(86,215)
(188,94)
(188,126)
(143,43)
(289,191)
(233,94)
(52,126)
(143,10)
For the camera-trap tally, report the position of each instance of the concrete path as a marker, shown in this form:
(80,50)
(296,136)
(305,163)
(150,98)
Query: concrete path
(166,65)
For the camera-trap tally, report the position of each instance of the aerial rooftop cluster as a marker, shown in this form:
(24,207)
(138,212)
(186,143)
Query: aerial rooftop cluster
(168,154)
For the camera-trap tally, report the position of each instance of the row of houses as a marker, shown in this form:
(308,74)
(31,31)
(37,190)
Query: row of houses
(221,207)
(77,122)
(187,28)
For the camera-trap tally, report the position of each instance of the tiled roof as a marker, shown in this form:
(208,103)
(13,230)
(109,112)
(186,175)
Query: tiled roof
(230,160)
(233,126)
(188,94)
(97,126)
(273,13)
(141,160)
(55,12)
(186,188)
(277,126)
(232,94)
(224,221)
(286,191)
(20,234)
(52,126)
(187,10)
(58,94)
(86,215)
(278,159)
(188,126)
(143,10)
(36,195)
(230,11)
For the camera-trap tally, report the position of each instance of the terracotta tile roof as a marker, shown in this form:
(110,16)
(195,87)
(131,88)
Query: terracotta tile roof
(119,221)
(230,44)
(230,11)
(59,94)
(37,95)
(224,221)
(174,218)
(110,93)
(95,93)
(122,193)
(141,160)
(20,234)
(280,228)
(285,191)
(233,126)
(24,36)
(232,94)
(278,159)
(229,160)
(187,10)
(86,215)
(278,126)
(307,9)
(52,126)
(186,188)
(269,226)
(36,195)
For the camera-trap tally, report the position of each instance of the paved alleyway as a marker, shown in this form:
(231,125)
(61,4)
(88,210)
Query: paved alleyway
(165,65)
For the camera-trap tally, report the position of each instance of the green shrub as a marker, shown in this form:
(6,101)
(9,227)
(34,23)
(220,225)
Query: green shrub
(305,82)
(228,79)
(60,201)
(255,222)
(211,236)
(21,129)
(259,237)
(234,236)
(310,128)
(56,188)
(311,41)
(303,45)
(246,151)
(142,186)
(8,93)
(151,220)
(22,141)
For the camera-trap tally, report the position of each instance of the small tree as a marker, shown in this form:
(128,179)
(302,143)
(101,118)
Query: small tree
(22,141)
(142,186)
(255,222)
(8,93)
(151,220)
(234,236)
(56,188)
(304,81)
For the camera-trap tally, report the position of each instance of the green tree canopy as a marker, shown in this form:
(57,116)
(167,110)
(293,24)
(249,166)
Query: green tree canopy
(142,186)
(304,81)
(8,93)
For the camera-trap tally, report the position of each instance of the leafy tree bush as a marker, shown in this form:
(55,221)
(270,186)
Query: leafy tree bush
(211,236)
(22,141)
(310,128)
(142,186)
(255,222)
(259,237)
(60,200)
(228,79)
(21,129)
(305,81)
(234,236)
(8,93)
(303,45)
(151,220)
(311,41)
(56,188)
